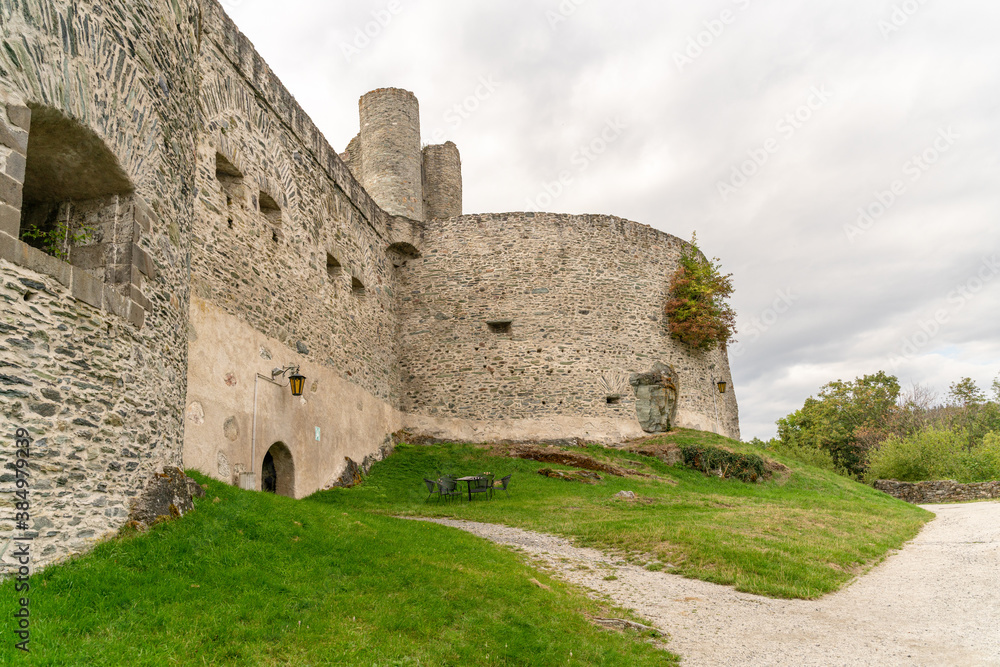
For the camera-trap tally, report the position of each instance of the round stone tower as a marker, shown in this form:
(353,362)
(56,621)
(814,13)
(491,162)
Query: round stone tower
(442,181)
(391,160)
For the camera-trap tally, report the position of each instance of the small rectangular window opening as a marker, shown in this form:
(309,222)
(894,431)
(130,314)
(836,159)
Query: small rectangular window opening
(499,326)
(614,399)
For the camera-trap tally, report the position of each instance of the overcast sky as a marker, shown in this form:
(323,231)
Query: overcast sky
(839,157)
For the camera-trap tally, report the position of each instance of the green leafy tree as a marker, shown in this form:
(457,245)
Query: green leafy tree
(974,414)
(846,419)
(966,394)
(698,313)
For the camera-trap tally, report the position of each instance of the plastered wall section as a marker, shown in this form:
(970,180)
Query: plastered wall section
(225,357)
(100,392)
(583,296)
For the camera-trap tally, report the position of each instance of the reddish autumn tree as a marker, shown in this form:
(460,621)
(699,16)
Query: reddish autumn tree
(698,313)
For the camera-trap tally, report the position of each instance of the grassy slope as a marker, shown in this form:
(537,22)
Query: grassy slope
(801,536)
(257,579)
(231,582)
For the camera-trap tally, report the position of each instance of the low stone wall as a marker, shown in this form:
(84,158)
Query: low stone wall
(943,491)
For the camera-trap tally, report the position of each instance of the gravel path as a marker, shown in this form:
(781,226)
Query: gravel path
(936,602)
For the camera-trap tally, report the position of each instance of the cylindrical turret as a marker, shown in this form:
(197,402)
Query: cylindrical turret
(391,161)
(442,181)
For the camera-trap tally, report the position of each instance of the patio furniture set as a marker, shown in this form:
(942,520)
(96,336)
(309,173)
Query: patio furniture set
(447,486)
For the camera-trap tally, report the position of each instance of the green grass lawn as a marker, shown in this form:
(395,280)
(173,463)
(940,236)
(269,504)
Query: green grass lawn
(800,535)
(336,579)
(258,579)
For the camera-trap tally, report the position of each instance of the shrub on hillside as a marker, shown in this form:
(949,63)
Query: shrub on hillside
(933,454)
(724,463)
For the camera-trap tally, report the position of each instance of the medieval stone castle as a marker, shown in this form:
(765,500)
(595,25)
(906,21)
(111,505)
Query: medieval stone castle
(177,238)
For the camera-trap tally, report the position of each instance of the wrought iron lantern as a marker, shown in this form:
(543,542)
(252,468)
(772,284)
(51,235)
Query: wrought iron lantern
(296,381)
(722,386)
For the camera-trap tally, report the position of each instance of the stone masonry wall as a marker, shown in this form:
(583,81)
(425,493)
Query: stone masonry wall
(271,270)
(942,491)
(583,296)
(95,369)
(442,181)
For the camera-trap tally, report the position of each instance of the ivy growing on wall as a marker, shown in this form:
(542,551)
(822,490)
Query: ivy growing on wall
(698,313)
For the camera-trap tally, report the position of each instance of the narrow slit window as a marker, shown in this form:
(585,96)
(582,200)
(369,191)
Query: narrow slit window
(333,267)
(357,287)
(269,208)
(230,181)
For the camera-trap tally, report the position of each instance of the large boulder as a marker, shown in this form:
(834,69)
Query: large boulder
(655,398)
(168,495)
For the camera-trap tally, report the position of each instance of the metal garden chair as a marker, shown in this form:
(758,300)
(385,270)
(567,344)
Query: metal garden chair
(504,482)
(448,487)
(480,485)
(432,488)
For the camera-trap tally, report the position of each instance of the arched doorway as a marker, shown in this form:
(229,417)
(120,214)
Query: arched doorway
(277,473)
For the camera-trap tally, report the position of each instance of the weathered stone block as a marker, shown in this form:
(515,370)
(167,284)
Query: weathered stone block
(115,303)
(10,191)
(14,137)
(144,216)
(137,315)
(87,288)
(118,274)
(136,295)
(19,116)
(8,246)
(88,256)
(36,260)
(168,495)
(142,260)
(655,398)
(10,220)
(16,164)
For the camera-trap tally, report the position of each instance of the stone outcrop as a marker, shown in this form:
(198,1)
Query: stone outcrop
(655,398)
(168,495)
(941,491)
(667,452)
(354,472)
(584,476)
(561,457)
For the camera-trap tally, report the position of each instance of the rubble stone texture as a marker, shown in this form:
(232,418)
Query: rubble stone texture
(941,491)
(213,199)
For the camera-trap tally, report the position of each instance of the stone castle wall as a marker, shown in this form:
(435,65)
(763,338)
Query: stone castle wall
(294,252)
(941,491)
(230,239)
(93,355)
(536,321)
(276,270)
